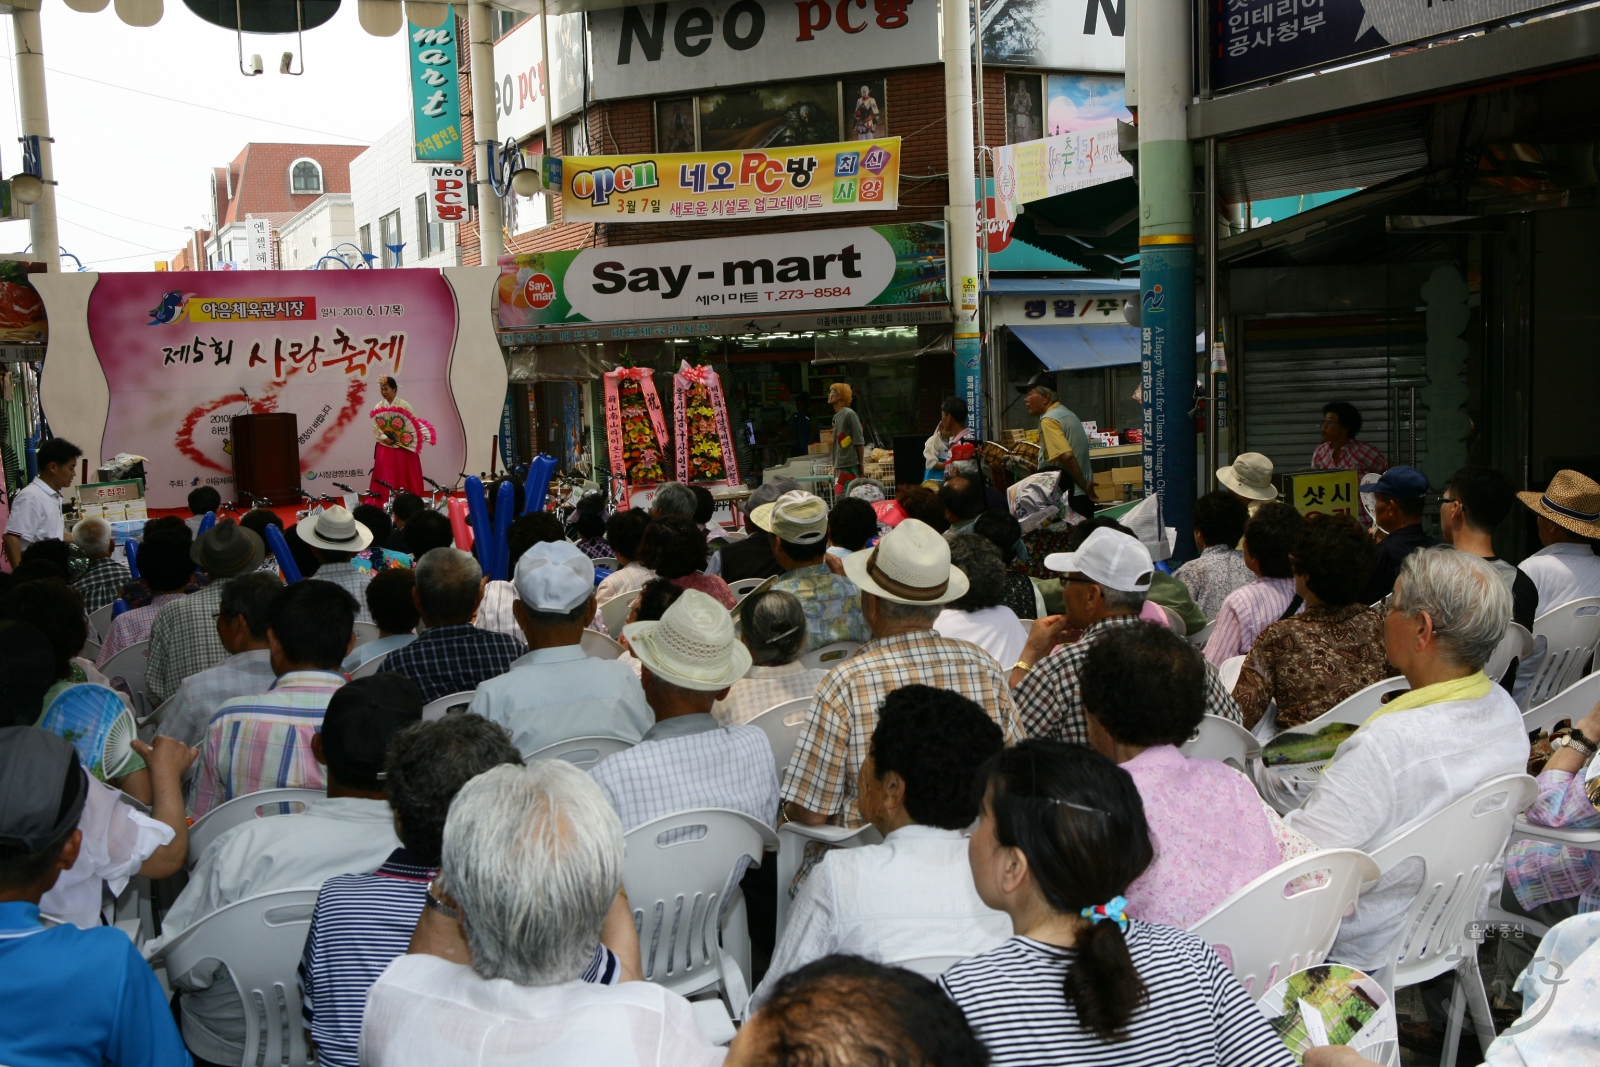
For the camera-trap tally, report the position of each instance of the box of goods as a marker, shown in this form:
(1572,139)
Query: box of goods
(825,437)
(1133,436)
(1132,475)
(1103,477)
(817,449)
(1110,493)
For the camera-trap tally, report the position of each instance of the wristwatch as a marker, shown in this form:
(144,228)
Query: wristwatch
(1575,742)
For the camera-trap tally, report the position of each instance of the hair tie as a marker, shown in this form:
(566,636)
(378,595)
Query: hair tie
(1115,909)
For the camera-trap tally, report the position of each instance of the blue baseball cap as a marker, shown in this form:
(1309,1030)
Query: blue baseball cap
(1404,483)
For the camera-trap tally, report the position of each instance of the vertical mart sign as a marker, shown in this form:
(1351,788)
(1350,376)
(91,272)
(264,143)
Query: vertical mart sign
(435,91)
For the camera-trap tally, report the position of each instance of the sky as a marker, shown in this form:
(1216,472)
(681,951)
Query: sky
(134,169)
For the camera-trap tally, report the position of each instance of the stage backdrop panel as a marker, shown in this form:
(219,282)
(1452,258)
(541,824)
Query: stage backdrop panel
(181,353)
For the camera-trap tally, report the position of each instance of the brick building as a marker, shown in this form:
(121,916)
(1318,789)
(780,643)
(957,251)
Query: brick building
(272,181)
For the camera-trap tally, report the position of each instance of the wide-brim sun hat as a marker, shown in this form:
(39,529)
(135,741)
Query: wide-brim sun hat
(1572,502)
(1249,476)
(909,565)
(693,645)
(335,530)
(228,549)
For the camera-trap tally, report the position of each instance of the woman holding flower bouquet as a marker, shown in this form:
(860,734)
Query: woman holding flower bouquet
(396,458)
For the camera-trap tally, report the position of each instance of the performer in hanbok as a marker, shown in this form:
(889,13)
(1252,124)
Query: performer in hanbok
(396,458)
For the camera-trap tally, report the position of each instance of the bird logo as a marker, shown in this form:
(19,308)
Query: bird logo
(170,309)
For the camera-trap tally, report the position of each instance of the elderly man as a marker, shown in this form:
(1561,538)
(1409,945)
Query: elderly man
(334,537)
(674,498)
(1219,521)
(99,583)
(183,638)
(1427,748)
(1104,584)
(532,864)
(1063,443)
(352,829)
(1568,515)
(165,570)
(451,655)
(751,556)
(1398,497)
(904,582)
(963,502)
(556,691)
(242,628)
(797,529)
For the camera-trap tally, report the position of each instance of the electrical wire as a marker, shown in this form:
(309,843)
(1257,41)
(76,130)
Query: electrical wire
(114,237)
(108,211)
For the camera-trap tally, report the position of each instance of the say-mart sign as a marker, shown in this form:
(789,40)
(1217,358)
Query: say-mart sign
(699,44)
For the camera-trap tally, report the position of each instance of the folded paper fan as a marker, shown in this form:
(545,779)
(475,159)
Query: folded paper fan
(98,724)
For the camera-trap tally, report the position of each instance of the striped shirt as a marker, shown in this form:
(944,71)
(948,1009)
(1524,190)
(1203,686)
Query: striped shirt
(1245,612)
(264,741)
(131,627)
(1197,1014)
(361,923)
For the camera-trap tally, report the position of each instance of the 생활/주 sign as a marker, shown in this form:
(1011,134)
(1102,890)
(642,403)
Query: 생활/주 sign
(808,180)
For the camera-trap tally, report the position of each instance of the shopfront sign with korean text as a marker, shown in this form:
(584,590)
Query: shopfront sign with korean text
(447,194)
(1059,309)
(1324,493)
(258,241)
(1252,40)
(435,91)
(816,270)
(1050,166)
(519,93)
(1078,35)
(727,186)
(650,49)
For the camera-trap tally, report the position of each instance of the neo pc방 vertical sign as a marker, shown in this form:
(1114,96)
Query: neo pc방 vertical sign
(447,194)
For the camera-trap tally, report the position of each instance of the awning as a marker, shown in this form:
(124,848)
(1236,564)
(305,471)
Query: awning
(1098,226)
(1049,286)
(1081,347)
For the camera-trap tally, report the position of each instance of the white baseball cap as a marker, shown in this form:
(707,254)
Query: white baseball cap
(798,517)
(1109,558)
(554,576)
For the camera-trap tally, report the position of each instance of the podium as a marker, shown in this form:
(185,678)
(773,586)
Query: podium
(266,456)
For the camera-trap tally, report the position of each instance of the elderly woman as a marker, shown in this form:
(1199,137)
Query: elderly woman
(675,548)
(531,869)
(1309,662)
(773,627)
(1005,533)
(982,616)
(1427,748)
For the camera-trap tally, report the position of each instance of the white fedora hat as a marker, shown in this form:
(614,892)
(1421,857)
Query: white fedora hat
(1250,475)
(911,565)
(693,645)
(335,530)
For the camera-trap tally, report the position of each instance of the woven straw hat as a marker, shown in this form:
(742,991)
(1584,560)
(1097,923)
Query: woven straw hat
(1572,502)
(911,565)
(693,645)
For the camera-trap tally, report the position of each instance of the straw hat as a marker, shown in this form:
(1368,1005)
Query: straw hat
(335,530)
(911,565)
(798,517)
(1571,502)
(693,645)
(1249,476)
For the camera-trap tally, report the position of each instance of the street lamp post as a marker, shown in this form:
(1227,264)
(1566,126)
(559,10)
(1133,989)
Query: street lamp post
(28,41)
(485,132)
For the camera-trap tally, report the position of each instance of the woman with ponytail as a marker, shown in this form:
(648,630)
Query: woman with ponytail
(1060,837)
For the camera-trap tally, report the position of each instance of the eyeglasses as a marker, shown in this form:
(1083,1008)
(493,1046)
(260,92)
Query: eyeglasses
(1448,500)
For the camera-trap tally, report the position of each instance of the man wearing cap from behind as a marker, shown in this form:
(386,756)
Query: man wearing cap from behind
(904,582)
(797,528)
(751,556)
(556,691)
(1104,584)
(1397,515)
(69,995)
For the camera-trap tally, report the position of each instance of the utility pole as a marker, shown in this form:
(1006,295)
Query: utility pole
(28,41)
(485,132)
(961,216)
(1166,262)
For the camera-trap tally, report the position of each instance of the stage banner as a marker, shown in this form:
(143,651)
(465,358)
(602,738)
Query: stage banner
(636,427)
(863,266)
(816,179)
(181,362)
(1033,170)
(700,423)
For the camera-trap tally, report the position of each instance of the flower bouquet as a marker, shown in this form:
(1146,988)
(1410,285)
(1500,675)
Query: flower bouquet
(635,429)
(700,416)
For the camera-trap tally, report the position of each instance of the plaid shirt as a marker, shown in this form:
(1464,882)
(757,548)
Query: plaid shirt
(763,688)
(99,584)
(131,627)
(264,741)
(1050,701)
(1359,455)
(1218,571)
(184,641)
(832,604)
(822,773)
(1542,873)
(352,580)
(453,659)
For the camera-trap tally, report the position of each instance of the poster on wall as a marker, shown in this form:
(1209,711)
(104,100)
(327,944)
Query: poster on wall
(181,362)
(705,450)
(1056,34)
(519,94)
(1051,166)
(22,317)
(1077,102)
(856,267)
(636,427)
(435,91)
(725,186)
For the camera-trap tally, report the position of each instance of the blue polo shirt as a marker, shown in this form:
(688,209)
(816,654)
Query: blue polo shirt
(76,996)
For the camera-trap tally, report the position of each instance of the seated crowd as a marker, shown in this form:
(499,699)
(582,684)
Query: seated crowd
(1029,828)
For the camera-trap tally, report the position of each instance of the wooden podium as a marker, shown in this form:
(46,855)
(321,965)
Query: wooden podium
(266,457)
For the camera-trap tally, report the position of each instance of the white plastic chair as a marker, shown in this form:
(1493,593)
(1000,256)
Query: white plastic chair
(782,724)
(1199,638)
(261,939)
(744,587)
(1517,644)
(100,622)
(1570,634)
(597,645)
(615,611)
(369,667)
(128,667)
(676,871)
(608,562)
(792,838)
(930,967)
(1458,846)
(829,656)
(366,631)
(1286,787)
(240,810)
(1228,670)
(90,650)
(1573,702)
(438,709)
(1270,932)
(1224,741)
(1358,707)
(581,752)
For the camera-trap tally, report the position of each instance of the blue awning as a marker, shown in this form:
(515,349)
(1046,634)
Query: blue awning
(1081,347)
(1075,284)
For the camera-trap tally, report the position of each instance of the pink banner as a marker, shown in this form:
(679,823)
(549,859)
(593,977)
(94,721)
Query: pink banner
(700,422)
(636,428)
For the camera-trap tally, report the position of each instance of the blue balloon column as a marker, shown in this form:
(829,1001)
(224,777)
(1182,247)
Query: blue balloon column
(478,515)
(538,483)
(131,548)
(280,549)
(504,506)
(208,521)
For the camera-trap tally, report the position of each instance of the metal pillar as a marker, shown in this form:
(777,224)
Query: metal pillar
(1213,345)
(28,40)
(961,216)
(485,130)
(1166,263)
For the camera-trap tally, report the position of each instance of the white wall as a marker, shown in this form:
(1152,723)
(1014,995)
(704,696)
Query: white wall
(383,179)
(310,235)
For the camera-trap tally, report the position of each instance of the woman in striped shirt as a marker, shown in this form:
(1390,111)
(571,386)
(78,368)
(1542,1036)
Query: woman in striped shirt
(1060,838)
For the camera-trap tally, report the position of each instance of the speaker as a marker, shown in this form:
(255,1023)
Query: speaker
(908,468)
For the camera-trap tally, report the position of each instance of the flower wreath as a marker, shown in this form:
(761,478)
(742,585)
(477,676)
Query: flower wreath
(409,429)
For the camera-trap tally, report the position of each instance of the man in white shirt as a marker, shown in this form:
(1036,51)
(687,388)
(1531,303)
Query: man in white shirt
(242,628)
(1425,749)
(556,691)
(981,616)
(531,903)
(912,895)
(1568,514)
(36,508)
(351,830)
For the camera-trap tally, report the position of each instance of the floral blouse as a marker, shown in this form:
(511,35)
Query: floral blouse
(1308,663)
